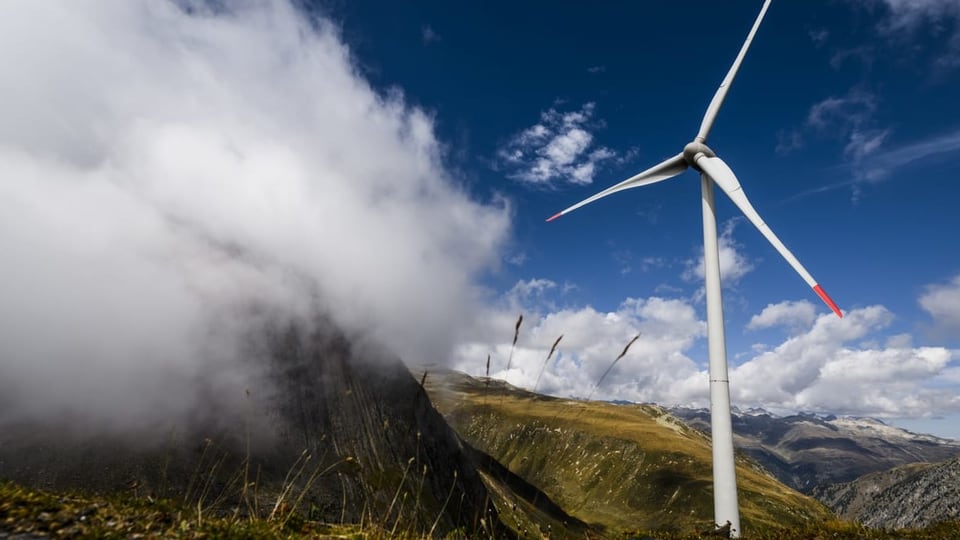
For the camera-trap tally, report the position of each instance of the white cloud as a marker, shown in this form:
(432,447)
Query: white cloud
(881,165)
(173,178)
(885,163)
(864,143)
(819,370)
(942,302)
(910,13)
(851,118)
(792,315)
(733,264)
(655,369)
(844,112)
(556,150)
(914,26)
(829,365)
(921,33)
(530,292)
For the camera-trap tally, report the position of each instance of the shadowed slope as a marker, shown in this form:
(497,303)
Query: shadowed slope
(345,434)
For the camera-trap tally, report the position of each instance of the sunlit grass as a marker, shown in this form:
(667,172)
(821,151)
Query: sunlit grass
(627,467)
(32,513)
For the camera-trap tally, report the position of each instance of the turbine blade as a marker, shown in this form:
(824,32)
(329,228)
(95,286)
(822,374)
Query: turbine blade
(721,174)
(717,101)
(662,171)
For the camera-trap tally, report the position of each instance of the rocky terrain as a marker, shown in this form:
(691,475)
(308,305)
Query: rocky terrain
(915,495)
(806,451)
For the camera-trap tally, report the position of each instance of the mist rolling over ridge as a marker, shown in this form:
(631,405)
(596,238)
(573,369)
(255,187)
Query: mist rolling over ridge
(178,178)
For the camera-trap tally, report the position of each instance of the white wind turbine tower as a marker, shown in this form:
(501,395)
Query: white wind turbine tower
(713,170)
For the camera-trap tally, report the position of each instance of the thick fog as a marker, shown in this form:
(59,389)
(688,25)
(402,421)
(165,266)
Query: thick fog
(173,179)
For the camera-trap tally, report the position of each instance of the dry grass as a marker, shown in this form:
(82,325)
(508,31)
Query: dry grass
(615,465)
(28,513)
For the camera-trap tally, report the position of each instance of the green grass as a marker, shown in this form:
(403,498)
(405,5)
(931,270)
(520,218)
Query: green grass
(830,530)
(618,467)
(36,513)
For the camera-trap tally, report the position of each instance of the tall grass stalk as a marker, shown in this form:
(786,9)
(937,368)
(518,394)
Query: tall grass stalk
(406,470)
(196,473)
(403,501)
(416,503)
(610,368)
(545,362)
(317,473)
(443,508)
(516,334)
(299,465)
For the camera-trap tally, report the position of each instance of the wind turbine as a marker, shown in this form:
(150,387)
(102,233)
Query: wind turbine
(713,170)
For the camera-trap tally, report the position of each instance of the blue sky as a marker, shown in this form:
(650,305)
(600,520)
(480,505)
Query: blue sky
(842,127)
(180,175)
(871,229)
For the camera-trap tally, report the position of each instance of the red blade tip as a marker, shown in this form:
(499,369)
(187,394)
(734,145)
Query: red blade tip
(555,216)
(827,300)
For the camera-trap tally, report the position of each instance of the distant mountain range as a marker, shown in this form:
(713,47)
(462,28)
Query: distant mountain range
(807,451)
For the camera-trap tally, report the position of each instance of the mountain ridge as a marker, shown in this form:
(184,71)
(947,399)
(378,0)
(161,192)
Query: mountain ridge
(809,450)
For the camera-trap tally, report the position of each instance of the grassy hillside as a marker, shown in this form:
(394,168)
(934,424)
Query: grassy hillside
(619,467)
(30,513)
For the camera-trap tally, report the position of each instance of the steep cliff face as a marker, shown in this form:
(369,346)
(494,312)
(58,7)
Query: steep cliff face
(617,467)
(915,495)
(346,434)
(805,451)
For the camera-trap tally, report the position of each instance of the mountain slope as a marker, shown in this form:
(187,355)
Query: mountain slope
(619,467)
(378,450)
(915,495)
(805,451)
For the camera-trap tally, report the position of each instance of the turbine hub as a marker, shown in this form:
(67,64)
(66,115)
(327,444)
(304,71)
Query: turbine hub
(692,150)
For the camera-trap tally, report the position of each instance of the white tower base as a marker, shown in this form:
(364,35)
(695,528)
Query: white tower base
(725,504)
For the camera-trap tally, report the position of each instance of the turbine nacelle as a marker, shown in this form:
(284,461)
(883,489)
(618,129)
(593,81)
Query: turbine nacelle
(695,150)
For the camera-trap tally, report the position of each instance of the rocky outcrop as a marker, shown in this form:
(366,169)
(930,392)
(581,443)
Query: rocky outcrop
(807,450)
(916,495)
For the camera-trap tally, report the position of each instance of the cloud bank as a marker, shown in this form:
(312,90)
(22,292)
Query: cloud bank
(821,363)
(174,175)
